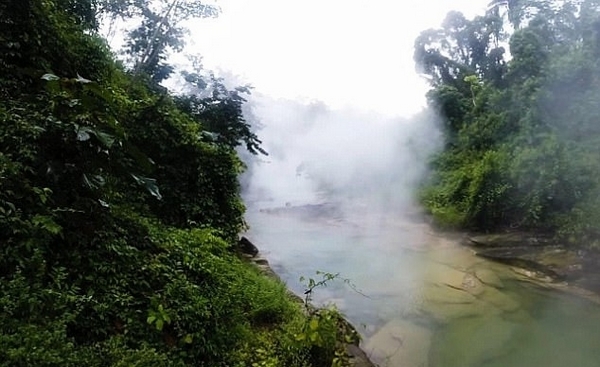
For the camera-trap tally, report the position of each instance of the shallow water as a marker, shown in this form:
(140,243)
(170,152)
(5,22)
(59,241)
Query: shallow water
(421,300)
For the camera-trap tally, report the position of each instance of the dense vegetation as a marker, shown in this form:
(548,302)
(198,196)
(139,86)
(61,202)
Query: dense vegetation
(519,89)
(119,203)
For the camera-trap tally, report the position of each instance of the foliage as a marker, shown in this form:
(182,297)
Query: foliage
(521,133)
(118,209)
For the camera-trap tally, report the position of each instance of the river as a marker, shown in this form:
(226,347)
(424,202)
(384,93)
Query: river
(420,299)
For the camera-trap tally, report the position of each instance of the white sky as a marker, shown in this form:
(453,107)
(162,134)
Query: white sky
(354,53)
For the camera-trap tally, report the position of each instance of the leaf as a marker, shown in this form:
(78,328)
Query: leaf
(151,319)
(149,184)
(188,339)
(46,223)
(50,77)
(83,133)
(106,139)
(93,181)
(159,324)
(313,324)
(82,80)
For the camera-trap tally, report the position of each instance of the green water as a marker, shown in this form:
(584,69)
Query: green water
(549,329)
(412,313)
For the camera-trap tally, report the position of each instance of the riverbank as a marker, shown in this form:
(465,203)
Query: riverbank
(430,301)
(543,260)
(349,337)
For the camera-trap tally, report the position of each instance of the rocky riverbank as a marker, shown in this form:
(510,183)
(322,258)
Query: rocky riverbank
(543,260)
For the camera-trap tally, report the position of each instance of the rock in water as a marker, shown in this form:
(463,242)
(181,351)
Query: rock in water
(247,247)
(400,343)
(489,277)
(472,342)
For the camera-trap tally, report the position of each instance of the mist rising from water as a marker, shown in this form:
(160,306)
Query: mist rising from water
(358,160)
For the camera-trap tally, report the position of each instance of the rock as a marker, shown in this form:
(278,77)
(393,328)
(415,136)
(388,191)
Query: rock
(513,239)
(472,284)
(247,247)
(489,277)
(358,358)
(261,261)
(443,294)
(473,341)
(436,273)
(523,257)
(532,275)
(442,274)
(499,300)
(446,313)
(444,304)
(400,343)
(454,256)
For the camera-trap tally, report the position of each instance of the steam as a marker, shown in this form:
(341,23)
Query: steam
(354,159)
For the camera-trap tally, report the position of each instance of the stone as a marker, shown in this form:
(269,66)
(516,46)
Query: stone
(400,343)
(454,256)
(513,239)
(358,358)
(445,313)
(499,300)
(473,341)
(441,274)
(489,277)
(247,247)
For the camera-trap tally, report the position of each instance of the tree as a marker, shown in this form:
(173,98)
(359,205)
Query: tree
(159,31)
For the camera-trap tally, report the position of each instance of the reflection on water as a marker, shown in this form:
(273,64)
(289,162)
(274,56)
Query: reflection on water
(429,302)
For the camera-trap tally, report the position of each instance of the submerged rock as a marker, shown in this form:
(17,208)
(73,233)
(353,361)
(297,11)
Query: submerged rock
(513,239)
(472,342)
(499,300)
(489,277)
(400,343)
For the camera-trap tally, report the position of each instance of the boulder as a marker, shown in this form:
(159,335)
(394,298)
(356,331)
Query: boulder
(247,247)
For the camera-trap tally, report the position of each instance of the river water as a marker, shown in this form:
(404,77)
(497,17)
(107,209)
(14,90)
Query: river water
(419,299)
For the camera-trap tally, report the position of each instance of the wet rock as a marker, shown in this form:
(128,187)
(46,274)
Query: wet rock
(472,284)
(489,277)
(443,294)
(444,304)
(457,257)
(436,273)
(358,358)
(446,313)
(532,275)
(453,278)
(524,257)
(247,247)
(261,261)
(400,343)
(513,239)
(473,341)
(499,300)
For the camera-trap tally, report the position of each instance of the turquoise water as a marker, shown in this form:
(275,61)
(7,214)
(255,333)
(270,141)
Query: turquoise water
(408,306)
